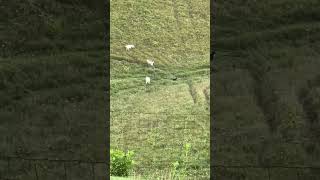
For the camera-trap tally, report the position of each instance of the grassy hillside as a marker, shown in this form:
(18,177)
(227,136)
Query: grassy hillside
(267,88)
(52,59)
(156,121)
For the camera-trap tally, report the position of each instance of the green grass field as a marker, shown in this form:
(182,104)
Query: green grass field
(266,85)
(156,121)
(267,88)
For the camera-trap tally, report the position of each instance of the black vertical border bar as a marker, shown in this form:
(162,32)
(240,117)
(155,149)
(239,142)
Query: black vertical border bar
(107,82)
(212,59)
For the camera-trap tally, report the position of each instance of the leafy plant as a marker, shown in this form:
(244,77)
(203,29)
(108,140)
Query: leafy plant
(121,162)
(179,168)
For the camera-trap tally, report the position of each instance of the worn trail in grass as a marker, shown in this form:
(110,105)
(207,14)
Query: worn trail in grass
(156,121)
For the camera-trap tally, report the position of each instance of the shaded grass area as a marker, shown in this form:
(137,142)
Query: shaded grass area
(267,63)
(46,91)
(52,26)
(51,79)
(158,120)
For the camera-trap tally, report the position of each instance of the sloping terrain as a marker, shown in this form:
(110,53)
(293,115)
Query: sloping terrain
(157,120)
(52,101)
(267,89)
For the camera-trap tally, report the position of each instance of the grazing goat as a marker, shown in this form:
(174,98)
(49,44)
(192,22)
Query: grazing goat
(151,62)
(130,46)
(148,80)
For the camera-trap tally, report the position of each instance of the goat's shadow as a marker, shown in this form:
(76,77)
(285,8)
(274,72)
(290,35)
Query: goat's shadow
(148,88)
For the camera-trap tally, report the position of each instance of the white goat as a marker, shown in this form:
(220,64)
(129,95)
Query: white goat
(148,80)
(129,46)
(151,62)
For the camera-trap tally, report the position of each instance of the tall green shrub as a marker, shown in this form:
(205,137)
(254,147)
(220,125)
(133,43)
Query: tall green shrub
(121,163)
